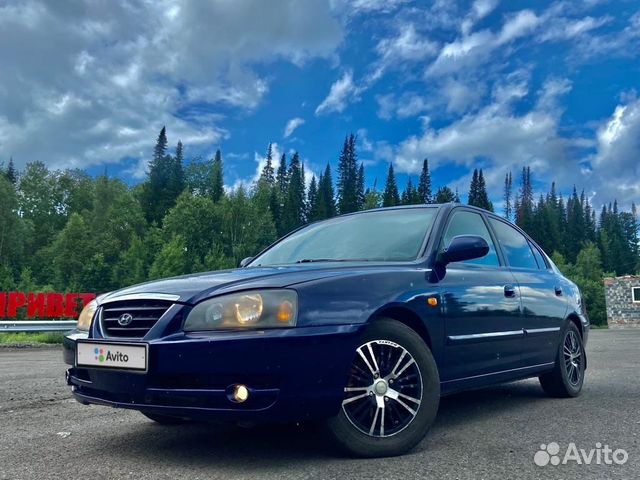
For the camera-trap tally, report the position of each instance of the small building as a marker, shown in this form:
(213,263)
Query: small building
(623,301)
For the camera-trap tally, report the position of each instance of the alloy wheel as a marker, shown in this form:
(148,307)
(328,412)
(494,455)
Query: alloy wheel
(384,390)
(572,351)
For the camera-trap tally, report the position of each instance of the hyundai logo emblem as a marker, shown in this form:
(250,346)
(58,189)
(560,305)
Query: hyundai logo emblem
(125,319)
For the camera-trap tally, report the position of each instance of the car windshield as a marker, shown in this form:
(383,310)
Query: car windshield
(383,235)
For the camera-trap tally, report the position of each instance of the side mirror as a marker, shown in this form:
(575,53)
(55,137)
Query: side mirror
(464,247)
(245,261)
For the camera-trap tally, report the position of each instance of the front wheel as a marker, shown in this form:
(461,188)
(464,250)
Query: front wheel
(391,396)
(567,376)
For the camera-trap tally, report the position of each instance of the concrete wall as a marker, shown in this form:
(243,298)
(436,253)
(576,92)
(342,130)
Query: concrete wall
(621,310)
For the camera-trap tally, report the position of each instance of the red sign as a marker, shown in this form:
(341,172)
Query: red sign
(43,305)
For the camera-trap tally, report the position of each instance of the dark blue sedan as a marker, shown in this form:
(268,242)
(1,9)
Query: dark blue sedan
(363,321)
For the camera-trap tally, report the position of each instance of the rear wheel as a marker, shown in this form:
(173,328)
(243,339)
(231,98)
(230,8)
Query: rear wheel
(567,377)
(164,419)
(392,393)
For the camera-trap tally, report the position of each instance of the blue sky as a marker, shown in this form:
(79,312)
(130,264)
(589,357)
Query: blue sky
(496,85)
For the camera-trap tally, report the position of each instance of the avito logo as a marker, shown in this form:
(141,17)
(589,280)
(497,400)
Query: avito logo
(110,356)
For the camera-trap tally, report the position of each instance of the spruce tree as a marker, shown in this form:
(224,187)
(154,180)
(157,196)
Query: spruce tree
(445,195)
(482,196)
(312,200)
(160,150)
(217,178)
(326,196)
(524,210)
(424,185)
(282,177)
(11,173)
(390,197)
(268,174)
(508,207)
(293,213)
(348,177)
(159,191)
(473,190)
(360,181)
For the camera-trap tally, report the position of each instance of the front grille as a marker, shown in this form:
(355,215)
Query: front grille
(144,315)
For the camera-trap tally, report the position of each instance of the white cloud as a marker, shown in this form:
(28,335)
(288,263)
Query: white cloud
(475,48)
(495,136)
(409,104)
(616,169)
(94,82)
(407,46)
(338,97)
(565,28)
(353,7)
(292,125)
(479,10)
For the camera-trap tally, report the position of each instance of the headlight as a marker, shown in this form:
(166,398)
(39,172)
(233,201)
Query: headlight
(255,309)
(84,320)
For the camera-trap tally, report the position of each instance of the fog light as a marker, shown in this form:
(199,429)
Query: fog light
(240,393)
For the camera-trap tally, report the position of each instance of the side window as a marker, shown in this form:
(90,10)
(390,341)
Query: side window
(515,245)
(470,223)
(539,258)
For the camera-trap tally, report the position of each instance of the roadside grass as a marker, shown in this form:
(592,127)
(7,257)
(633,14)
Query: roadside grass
(28,338)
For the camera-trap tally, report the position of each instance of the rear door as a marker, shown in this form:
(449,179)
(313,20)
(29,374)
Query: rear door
(543,298)
(481,306)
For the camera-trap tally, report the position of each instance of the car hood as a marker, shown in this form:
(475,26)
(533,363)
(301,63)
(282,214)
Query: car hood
(195,287)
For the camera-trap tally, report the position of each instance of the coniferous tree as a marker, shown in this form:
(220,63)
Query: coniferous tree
(326,202)
(161,189)
(217,178)
(348,177)
(483,197)
(508,206)
(390,197)
(312,200)
(282,176)
(410,195)
(372,197)
(11,173)
(160,150)
(424,185)
(524,210)
(360,181)
(268,173)
(293,214)
(445,195)
(473,190)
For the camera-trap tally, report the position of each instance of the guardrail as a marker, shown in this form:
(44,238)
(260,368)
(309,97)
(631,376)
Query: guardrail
(37,326)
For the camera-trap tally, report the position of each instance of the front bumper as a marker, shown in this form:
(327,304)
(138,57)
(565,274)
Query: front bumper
(292,374)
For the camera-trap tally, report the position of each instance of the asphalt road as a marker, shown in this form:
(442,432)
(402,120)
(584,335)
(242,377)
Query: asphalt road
(492,433)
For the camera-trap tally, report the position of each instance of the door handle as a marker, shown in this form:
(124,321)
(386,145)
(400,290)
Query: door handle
(558,290)
(509,291)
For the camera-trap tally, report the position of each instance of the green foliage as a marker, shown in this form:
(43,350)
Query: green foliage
(172,259)
(25,338)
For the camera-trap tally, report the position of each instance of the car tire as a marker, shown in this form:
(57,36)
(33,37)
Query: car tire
(164,419)
(567,377)
(391,414)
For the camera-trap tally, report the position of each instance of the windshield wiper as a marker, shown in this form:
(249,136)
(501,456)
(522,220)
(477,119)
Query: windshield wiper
(314,260)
